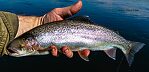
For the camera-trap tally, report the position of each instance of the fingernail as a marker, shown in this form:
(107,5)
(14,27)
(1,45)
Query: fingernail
(54,52)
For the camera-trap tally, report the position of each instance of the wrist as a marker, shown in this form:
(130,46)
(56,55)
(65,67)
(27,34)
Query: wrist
(26,23)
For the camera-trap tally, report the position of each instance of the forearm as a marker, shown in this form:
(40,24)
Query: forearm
(26,23)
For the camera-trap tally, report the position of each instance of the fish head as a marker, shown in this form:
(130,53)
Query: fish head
(23,46)
(15,45)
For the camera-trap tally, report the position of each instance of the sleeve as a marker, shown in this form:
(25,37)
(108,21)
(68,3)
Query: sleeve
(8,29)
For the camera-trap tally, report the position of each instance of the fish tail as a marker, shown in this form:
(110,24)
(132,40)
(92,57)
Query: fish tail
(133,48)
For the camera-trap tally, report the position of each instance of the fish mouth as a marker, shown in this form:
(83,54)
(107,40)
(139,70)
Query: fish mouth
(25,52)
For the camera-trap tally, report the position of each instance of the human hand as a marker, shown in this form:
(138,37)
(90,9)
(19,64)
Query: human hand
(28,22)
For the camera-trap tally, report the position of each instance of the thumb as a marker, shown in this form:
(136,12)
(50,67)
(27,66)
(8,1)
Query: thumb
(62,13)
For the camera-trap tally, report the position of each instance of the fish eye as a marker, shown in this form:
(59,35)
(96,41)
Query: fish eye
(29,39)
(23,39)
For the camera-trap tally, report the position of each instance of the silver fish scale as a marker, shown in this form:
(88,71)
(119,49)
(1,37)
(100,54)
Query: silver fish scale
(76,32)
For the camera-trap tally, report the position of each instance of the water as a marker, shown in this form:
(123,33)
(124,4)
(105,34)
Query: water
(129,18)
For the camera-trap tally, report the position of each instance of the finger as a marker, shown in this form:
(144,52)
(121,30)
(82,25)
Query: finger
(66,50)
(76,7)
(54,50)
(85,52)
(70,10)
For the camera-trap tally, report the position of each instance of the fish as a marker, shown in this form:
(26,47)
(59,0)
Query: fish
(78,33)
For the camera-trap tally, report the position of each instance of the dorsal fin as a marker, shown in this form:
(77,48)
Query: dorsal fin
(83,18)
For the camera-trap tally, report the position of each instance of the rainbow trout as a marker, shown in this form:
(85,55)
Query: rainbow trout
(78,33)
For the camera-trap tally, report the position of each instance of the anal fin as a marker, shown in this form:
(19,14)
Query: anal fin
(111,53)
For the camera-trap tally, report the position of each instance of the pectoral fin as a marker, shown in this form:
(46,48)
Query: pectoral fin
(84,54)
(111,53)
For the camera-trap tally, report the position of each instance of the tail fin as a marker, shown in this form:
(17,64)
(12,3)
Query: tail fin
(134,48)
